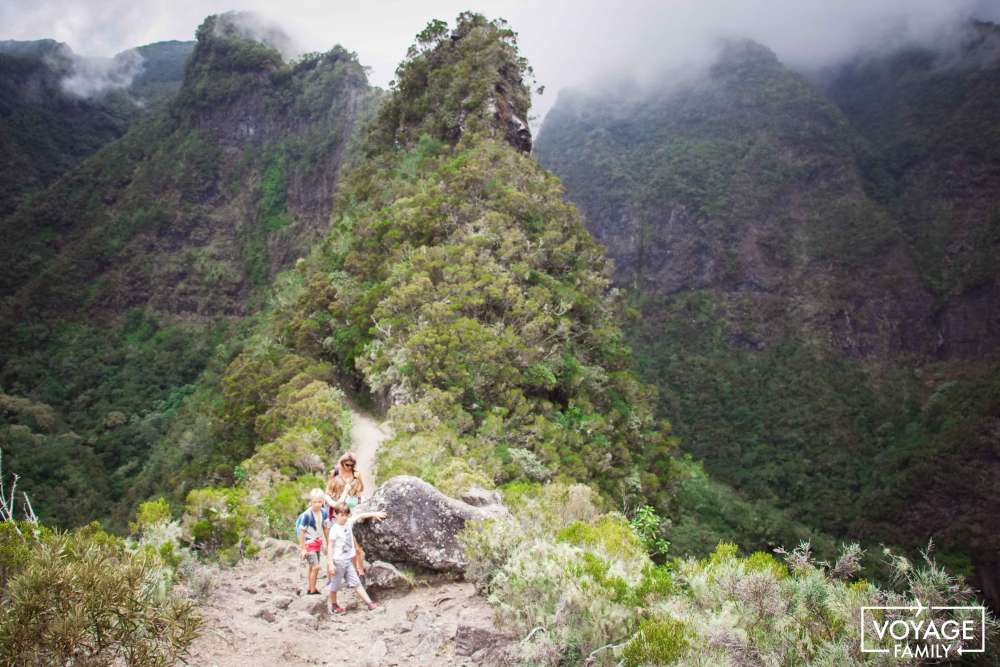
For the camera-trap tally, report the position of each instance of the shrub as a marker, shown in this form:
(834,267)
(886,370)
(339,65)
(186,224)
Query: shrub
(588,581)
(658,642)
(487,545)
(422,454)
(284,502)
(562,566)
(529,465)
(151,513)
(457,477)
(217,521)
(85,598)
(647,525)
(551,507)
(297,452)
(612,534)
(581,598)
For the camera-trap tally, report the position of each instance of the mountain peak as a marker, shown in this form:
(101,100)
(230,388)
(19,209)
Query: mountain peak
(468,80)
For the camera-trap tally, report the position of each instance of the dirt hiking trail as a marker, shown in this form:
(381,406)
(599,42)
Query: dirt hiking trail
(366,436)
(257,613)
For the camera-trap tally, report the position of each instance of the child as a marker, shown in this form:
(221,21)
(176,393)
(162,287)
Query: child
(345,485)
(341,551)
(311,528)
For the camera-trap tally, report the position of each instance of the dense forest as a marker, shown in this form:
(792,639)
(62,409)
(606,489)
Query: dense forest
(814,257)
(731,364)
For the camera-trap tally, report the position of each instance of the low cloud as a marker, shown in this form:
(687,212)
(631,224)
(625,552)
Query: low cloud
(95,76)
(250,25)
(570,43)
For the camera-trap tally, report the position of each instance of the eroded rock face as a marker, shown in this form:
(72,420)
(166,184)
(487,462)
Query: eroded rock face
(422,525)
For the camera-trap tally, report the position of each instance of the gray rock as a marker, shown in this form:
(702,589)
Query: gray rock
(377,653)
(313,605)
(422,526)
(282,603)
(480,497)
(504,655)
(265,614)
(470,639)
(382,578)
(273,549)
(429,642)
(423,624)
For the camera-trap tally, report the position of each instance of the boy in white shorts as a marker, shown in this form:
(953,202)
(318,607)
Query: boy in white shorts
(340,552)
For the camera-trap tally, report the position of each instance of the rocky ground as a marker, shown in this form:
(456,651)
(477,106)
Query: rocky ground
(258,614)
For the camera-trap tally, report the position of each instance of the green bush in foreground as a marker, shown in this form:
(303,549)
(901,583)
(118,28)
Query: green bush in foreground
(583,586)
(86,598)
(658,642)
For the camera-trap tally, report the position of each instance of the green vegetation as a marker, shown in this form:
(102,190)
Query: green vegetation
(80,439)
(457,286)
(585,579)
(45,131)
(810,271)
(459,291)
(126,282)
(272,208)
(87,597)
(928,122)
(453,83)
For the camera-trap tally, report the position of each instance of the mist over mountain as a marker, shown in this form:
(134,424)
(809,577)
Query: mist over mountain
(816,265)
(133,266)
(56,107)
(696,373)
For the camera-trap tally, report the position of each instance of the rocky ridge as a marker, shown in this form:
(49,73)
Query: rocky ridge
(258,612)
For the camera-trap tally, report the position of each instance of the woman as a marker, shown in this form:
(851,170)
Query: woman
(346,486)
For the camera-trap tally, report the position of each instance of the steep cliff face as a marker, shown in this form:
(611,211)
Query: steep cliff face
(931,127)
(744,182)
(121,278)
(56,108)
(818,294)
(202,203)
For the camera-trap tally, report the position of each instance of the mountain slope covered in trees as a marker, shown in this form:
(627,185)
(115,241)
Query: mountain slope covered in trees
(123,277)
(815,262)
(57,108)
(458,290)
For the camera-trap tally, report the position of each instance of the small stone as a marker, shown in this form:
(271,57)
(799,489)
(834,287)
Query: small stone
(250,590)
(479,497)
(377,653)
(384,580)
(470,639)
(265,614)
(283,603)
(423,623)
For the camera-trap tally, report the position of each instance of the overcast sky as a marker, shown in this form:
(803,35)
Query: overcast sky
(569,42)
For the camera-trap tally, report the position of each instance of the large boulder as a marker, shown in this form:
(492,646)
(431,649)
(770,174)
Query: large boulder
(422,525)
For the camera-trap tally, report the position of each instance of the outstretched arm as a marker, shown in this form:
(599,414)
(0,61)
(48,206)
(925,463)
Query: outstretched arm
(364,516)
